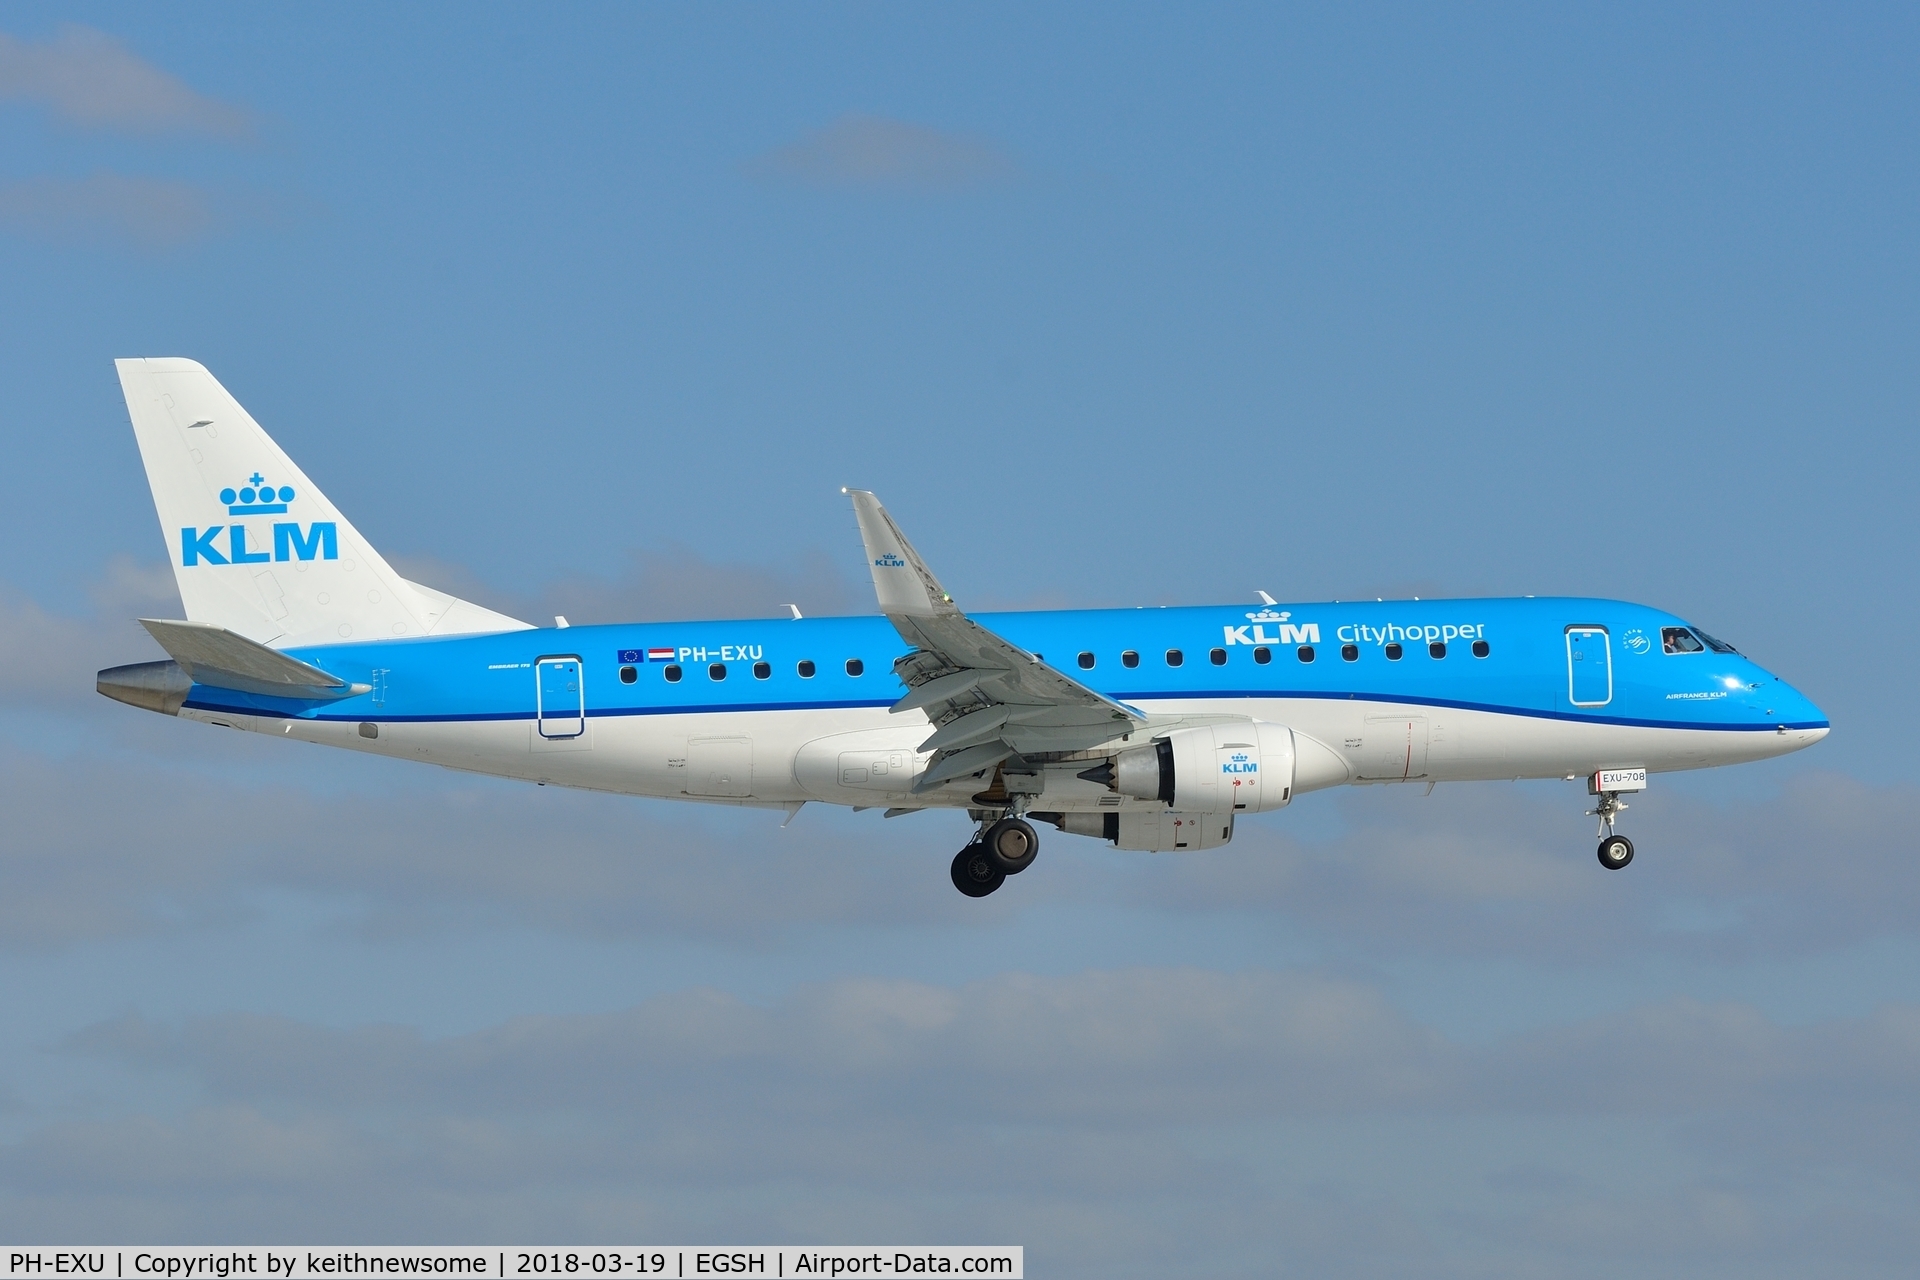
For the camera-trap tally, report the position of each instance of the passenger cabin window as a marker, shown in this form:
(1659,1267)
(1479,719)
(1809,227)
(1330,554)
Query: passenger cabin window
(1086,661)
(1393,652)
(1218,657)
(1680,640)
(1305,653)
(672,672)
(1263,655)
(855,666)
(1481,648)
(718,671)
(1129,659)
(628,675)
(1438,649)
(1175,657)
(805,668)
(1349,653)
(761,671)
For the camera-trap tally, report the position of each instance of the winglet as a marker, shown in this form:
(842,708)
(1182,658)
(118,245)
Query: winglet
(901,579)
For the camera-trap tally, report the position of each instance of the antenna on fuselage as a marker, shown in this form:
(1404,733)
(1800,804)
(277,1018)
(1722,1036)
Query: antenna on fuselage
(1265,598)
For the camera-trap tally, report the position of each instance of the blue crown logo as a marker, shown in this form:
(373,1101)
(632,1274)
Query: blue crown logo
(258,498)
(891,561)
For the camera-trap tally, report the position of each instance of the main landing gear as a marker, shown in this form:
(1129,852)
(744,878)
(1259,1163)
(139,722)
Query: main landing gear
(1001,849)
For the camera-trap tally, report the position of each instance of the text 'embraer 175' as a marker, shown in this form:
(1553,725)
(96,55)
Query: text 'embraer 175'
(1150,729)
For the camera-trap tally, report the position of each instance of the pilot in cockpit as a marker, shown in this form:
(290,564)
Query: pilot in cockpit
(1680,640)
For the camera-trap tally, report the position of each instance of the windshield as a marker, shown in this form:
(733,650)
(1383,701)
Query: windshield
(1718,646)
(1680,640)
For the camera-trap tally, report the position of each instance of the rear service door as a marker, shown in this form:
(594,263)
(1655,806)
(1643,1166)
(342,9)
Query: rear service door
(1589,667)
(562,706)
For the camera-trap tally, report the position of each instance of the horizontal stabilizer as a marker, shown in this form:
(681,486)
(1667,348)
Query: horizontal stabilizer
(214,656)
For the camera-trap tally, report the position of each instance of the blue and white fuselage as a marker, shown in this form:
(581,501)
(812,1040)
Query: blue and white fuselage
(475,701)
(1153,728)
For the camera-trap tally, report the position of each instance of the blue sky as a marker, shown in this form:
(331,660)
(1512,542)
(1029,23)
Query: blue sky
(1112,306)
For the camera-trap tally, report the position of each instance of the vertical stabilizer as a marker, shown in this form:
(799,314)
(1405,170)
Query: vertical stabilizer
(255,546)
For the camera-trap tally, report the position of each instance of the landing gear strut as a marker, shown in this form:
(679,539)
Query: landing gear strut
(1005,848)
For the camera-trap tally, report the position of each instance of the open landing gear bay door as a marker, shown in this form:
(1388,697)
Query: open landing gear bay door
(989,701)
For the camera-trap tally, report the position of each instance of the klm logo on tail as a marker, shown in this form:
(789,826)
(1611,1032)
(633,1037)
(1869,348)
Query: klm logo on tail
(257,498)
(256,502)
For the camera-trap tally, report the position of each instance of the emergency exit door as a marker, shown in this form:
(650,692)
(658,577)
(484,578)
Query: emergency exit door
(561,709)
(1589,667)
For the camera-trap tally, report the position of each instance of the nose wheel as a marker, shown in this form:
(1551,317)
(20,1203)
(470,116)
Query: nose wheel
(1615,852)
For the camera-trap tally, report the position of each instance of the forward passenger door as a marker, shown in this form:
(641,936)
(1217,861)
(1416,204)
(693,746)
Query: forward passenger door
(1589,667)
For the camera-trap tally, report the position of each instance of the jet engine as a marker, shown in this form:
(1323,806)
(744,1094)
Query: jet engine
(1244,767)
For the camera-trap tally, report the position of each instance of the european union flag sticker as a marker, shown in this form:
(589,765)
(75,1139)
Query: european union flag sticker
(631,656)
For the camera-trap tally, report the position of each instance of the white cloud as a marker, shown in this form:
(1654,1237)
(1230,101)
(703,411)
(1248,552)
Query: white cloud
(1113,1121)
(154,212)
(89,78)
(875,152)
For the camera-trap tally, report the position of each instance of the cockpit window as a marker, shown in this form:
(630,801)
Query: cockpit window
(1680,640)
(1718,646)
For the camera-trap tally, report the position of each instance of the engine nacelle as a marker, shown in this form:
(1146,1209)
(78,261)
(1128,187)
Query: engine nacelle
(1152,830)
(1215,768)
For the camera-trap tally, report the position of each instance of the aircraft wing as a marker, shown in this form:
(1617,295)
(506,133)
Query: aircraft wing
(989,700)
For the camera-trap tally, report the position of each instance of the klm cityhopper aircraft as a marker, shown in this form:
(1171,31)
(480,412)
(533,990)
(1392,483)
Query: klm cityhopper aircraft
(1151,729)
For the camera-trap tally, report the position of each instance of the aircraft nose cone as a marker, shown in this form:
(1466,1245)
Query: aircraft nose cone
(1797,718)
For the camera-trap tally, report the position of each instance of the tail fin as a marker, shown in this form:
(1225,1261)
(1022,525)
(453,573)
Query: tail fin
(256,547)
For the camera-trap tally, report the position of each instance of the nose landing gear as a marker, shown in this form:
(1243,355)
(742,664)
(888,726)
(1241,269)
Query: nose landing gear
(1616,851)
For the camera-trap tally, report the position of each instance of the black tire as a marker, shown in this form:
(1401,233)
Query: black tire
(1012,844)
(1616,852)
(975,873)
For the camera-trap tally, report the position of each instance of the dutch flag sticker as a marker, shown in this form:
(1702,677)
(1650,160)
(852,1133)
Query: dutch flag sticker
(660,655)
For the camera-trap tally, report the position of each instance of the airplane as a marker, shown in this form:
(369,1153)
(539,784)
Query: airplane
(1151,729)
